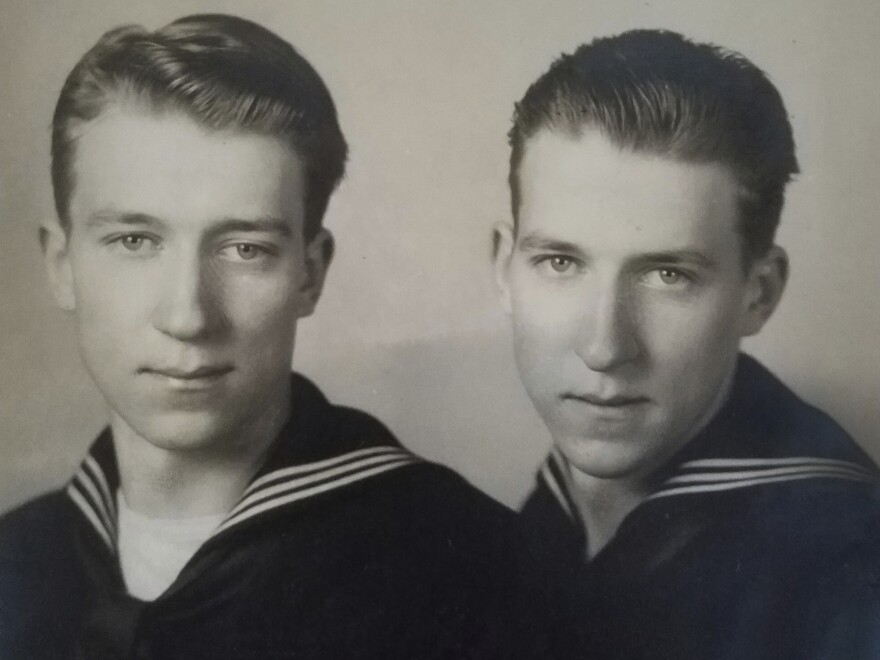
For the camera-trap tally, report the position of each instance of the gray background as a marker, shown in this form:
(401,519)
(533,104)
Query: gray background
(409,327)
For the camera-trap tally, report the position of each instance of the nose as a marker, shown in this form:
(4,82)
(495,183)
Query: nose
(187,307)
(609,336)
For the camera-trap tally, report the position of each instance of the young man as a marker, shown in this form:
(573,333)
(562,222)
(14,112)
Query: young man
(694,494)
(228,510)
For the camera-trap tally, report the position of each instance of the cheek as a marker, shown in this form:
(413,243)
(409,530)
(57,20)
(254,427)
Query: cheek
(107,301)
(545,330)
(265,311)
(109,330)
(692,343)
(545,312)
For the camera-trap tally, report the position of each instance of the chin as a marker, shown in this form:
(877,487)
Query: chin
(185,431)
(605,459)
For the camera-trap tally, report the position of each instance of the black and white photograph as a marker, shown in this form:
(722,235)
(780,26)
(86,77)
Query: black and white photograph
(439,329)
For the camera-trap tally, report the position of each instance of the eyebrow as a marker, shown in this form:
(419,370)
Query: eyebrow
(266,225)
(674,257)
(109,217)
(539,242)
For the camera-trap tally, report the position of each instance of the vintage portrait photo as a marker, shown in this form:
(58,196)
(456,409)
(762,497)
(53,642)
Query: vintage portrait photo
(439,329)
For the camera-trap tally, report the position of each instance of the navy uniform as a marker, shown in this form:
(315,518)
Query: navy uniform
(755,536)
(344,545)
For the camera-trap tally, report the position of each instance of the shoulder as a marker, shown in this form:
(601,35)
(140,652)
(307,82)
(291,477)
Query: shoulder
(431,501)
(776,467)
(794,534)
(40,519)
(39,577)
(33,538)
(463,549)
(421,490)
(774,421)
(832,604)
(319,429)
(821,490)
(356,429)
(35,541)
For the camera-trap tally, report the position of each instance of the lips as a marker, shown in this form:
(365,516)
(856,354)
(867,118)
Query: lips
(609,402)
(198,373)
(197,379)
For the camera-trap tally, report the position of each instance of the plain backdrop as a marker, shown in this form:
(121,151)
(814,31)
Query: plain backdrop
(409,328)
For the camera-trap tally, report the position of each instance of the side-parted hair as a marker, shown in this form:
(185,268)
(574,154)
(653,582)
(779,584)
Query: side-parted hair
(225,73)
(655,91)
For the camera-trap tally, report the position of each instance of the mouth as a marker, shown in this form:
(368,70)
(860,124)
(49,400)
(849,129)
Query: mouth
(618,401)
(181,378)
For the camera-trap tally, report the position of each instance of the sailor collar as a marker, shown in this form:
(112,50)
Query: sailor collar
(763,435)
(309,458)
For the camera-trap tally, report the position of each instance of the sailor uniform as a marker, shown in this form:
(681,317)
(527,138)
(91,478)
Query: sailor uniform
(344,545)
(726,558)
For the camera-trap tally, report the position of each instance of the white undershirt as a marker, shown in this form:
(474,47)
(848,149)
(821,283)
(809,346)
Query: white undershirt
(152,551)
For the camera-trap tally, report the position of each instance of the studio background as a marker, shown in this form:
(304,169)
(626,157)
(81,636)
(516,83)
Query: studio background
(409,328)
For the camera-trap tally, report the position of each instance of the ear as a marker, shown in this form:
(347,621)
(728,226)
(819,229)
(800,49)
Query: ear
(766,283)
(54,244)
(318,255)
(503,240)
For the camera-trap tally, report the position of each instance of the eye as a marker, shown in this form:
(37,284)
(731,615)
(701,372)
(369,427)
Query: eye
(247,251)
(560,264)
(557,265)
(669,275)
(135,242)
(242,251)
(132,242)
(667,278)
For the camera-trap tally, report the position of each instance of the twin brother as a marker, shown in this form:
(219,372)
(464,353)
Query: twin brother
(692,505)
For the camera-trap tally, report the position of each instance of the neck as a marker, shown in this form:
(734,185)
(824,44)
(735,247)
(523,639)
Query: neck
(602,505)
(166,482)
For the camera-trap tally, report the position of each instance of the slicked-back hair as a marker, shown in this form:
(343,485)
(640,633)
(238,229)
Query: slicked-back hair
(225,73)
(654,91)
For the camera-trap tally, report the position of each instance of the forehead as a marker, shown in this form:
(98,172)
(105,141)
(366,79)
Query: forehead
(168,166)
(591,190)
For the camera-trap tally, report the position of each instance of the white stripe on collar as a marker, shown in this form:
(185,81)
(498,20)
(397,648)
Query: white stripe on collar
(295,490)
(272,490)
(728,474)
(90,515)
(714,475)
(710,488)
(767,472)
(739,463)
(554,464)
(90,492)
(327,463)
(97,474)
